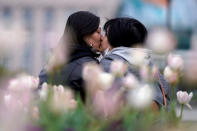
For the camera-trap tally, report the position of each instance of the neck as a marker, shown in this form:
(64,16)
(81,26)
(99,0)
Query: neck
(110,48)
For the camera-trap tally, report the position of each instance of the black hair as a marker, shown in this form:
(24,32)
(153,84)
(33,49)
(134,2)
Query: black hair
(125,32)
(80,24)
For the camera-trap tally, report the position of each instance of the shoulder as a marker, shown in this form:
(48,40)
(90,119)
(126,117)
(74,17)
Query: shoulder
(106,61)
(86,59)
(76,66)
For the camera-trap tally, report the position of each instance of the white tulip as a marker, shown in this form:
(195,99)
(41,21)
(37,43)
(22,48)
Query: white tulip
(105,80)
(44,90)
(139,57)
(44,86)
(141,97)
(64,101)
(184,98)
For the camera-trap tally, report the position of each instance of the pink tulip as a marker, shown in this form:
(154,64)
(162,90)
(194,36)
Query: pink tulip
(106,105)
(130,81)
(175,62)
(161,40)
(184,98)
(171,76)
(90,71)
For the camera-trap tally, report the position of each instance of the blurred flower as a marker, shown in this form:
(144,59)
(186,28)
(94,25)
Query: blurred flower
(139,57)
(184,98)
(190,69)
(175,62)
(23,82)
(35,113)
(161,40)
(58,57)
(171,76)
(15,109)
(90,71)
(43,91)
(141,97)
(118,68)
(63,101)
(7,99)
(130,81)
(145,73)
(106,80)
(52,38)
(155,71)
(106,105)
(93,75)
(58,88)
(99,103)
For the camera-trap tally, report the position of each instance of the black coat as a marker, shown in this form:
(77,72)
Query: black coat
(70,74)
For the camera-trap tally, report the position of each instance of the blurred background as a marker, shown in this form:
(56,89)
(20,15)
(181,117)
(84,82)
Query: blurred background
(30,29)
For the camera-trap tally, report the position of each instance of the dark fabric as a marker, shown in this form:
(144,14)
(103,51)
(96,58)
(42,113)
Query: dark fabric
(158,98)
(79,51)
(70,74)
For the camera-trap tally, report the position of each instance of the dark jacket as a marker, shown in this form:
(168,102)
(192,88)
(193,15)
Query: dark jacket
(123,53)
(70,74)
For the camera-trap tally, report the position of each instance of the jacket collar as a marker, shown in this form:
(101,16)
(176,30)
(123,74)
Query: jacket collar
(129,54)
(80,51)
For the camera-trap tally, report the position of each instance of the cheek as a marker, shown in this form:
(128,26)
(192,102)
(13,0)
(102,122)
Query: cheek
(97,39)
(105,43)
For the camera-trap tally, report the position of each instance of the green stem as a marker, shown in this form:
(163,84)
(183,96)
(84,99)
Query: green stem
(181,113)
(173,94)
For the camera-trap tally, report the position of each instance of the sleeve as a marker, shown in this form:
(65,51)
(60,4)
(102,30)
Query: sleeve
(43,77)
(76,81)
(160,85)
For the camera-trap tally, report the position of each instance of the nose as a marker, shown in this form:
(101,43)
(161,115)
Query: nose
(102,32)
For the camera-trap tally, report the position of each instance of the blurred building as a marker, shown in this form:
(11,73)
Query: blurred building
(181,15)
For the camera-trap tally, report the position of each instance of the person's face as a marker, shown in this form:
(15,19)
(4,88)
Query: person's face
(104,43)
(94,39)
